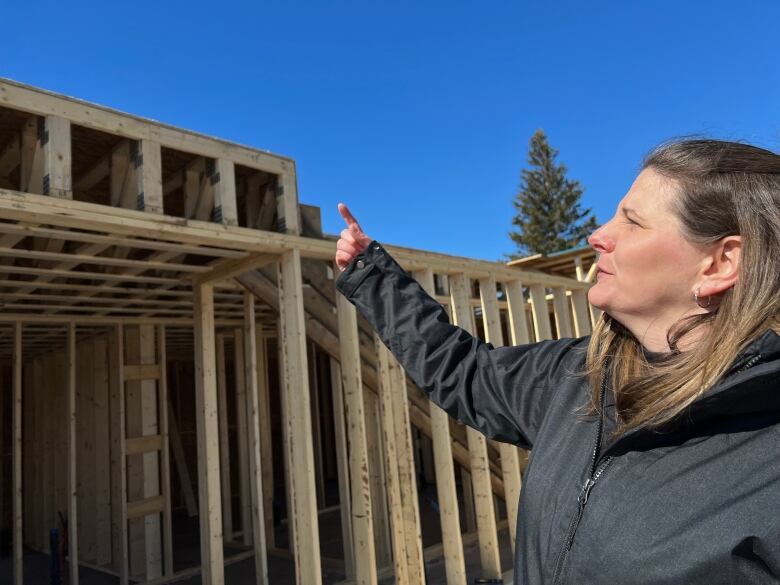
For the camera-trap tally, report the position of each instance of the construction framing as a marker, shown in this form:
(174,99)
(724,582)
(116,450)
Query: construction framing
(134,255)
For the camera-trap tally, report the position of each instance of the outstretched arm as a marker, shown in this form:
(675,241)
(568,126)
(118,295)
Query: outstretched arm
(503,392)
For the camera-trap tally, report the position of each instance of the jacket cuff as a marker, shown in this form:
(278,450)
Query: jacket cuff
(361,266)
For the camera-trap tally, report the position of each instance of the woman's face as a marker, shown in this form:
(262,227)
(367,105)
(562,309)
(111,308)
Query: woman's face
(647,269)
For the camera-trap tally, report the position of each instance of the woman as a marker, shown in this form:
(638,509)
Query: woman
(656,440)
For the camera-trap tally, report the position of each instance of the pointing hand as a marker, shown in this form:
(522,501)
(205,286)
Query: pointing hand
(352,241)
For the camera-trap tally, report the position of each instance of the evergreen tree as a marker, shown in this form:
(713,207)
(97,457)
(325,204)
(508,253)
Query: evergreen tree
(549,217)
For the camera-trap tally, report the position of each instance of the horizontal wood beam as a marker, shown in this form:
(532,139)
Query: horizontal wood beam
(147,444)
(43,103)
(32,230)
(145,507)
(19,206)
(100,260)
(231,268)
(142,372)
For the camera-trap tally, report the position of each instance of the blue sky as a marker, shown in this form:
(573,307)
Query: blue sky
(418,114)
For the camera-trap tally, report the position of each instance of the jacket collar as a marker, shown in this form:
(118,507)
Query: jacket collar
(748,396)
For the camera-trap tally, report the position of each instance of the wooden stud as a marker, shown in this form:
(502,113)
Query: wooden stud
(342,469)
(18,563)
(377,480)
(455,564)
(292,340)
(257,519)
(224,181)
(579,302)
(181,464)
(510,462)
(102,451)
(143,470)
(57,179)
(314,388)
(287,204)
(224,442)
(401,481)
(362,516)
(266,447)
(32,163)
(165,462)
(208,443)
(562,312)
(542,328)
(149,177)
(120,550)
(480,470)
(73,543)
(245,497)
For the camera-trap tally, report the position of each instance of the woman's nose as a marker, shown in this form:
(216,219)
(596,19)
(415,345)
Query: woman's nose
(601,241)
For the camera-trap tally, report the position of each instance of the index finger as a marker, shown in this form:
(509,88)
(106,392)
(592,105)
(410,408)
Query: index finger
(348,217)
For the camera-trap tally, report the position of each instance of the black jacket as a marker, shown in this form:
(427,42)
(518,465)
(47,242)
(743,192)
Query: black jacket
(696,504)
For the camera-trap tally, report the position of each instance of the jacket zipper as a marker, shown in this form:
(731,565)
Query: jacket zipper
(582,498)
(749,364)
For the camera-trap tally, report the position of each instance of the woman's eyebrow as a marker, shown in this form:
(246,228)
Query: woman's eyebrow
(627,210)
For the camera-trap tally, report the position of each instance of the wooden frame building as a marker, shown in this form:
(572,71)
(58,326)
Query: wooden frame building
(174,355)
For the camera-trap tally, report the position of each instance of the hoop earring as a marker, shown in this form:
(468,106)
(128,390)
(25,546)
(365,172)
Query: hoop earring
(698,299)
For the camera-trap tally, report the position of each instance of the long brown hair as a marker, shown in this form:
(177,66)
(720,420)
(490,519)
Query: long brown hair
(723,188)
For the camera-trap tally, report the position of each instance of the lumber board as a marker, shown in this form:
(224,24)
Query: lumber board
(455,565)
(342,467)
(292,340)
(140,372)
(18,562)
(463,316)
(120,546)
(579,302)
(165,455)
(542,329)
(510,461)
(73,542)
(40,102)
(208,442)
(362,513)
(102,440)
(147,444)
(562,313)
(266,447)
(224,442)
(256,519)
(57,179)
(31,208)
(146,507)
(240,384)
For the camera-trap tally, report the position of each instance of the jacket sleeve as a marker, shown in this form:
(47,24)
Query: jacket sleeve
(502,392)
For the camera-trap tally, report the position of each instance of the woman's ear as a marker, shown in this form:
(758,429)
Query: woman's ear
(722,269)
